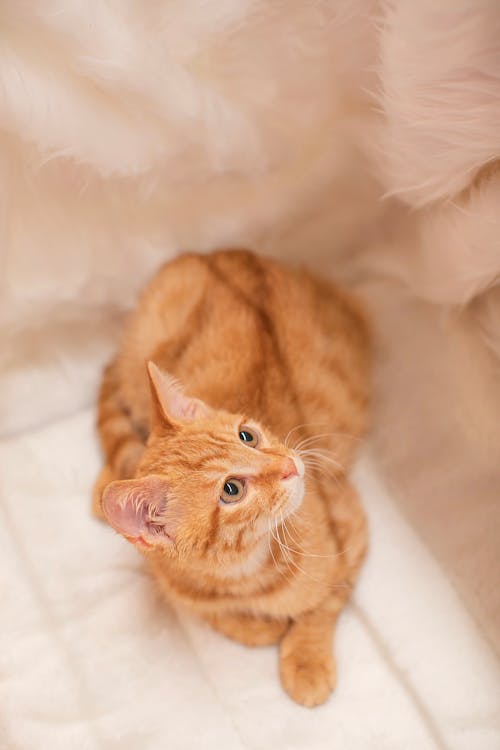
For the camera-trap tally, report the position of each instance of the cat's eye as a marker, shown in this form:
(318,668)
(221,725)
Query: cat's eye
(249,436)
(233,490)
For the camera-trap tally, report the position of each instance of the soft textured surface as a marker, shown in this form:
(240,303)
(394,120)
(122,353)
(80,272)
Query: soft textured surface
(91,656)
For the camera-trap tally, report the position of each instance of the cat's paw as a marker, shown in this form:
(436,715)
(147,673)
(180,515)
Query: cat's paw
(307,675)
(250,631)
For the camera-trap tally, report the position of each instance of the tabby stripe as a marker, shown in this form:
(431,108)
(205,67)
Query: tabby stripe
(196,321)
(278,583)
(214,527)
(117,446)
(190,591)
(239,539)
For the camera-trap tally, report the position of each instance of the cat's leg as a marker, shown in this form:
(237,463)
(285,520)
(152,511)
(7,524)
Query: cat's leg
(349,527)
(249,630)
(121,444)
(307,666)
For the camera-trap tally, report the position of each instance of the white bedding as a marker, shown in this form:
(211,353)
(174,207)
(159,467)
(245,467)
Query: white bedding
(91,658)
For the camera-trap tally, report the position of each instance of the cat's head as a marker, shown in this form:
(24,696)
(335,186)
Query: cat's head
(206,476)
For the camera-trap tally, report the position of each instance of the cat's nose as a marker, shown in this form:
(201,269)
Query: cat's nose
(288,469)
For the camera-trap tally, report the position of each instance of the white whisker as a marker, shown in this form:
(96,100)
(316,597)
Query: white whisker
(300,426)
(271,548)
(285,552)
(320,455)
(314,438)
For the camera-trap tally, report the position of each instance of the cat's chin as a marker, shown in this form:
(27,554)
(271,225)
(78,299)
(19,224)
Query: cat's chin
(295,499)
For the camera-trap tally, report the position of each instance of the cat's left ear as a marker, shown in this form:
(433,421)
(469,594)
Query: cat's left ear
(141,510)
(170,403)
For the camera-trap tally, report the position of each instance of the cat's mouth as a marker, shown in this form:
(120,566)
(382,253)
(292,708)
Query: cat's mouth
(294,499)
(297,487)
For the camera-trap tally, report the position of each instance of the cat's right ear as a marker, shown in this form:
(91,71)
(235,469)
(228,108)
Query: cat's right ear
(141,510)
(171,406)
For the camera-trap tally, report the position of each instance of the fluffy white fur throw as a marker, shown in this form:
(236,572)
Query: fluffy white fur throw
(132,130)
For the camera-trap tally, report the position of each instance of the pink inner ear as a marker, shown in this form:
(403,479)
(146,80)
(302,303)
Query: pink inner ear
(182,407)
(173,401)
(138,509)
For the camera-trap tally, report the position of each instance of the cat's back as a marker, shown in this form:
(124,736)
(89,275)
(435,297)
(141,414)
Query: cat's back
(245,332)
(197,297)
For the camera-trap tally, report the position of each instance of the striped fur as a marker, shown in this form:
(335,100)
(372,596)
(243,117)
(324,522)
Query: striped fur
(287,353)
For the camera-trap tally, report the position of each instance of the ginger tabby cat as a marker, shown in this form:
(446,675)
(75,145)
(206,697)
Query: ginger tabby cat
(261,539)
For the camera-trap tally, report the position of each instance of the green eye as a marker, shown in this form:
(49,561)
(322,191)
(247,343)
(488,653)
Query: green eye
(233,490)
(249,436)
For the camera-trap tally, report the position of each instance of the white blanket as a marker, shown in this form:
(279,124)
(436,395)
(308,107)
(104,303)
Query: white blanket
(92,658)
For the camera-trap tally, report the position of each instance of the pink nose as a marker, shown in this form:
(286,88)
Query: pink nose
(288,469)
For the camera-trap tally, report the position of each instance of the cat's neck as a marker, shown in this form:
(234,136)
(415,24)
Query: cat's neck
(248,564)
(245,565)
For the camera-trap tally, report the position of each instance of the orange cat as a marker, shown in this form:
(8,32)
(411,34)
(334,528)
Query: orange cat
(219,482)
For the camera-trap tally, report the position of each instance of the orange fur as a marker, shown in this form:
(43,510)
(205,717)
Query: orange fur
(285,354)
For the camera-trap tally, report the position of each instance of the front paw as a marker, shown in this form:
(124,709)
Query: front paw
(307,674)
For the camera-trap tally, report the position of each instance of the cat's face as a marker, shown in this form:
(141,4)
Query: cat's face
(206,475)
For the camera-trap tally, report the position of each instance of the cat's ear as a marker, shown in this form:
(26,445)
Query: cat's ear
(141,510)
(170,404)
